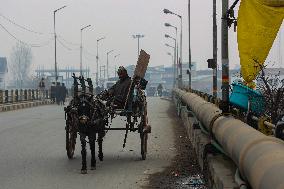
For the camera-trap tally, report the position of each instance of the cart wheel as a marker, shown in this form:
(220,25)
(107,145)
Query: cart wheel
(71,136)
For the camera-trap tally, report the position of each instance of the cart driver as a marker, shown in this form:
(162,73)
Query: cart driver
(119,90)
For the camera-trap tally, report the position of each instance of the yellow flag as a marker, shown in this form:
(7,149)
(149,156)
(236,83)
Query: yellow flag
(258,24)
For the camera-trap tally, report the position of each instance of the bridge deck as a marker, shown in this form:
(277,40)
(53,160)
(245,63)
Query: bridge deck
(32,148)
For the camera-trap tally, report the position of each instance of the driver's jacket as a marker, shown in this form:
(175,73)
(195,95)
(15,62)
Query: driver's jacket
(120,90)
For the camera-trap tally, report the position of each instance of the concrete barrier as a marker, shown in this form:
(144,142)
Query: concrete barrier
(21,105)
(259,158)
(219,170)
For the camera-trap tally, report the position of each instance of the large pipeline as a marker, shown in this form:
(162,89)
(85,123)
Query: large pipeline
(260,158)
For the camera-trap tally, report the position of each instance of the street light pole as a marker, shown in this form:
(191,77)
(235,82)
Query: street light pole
(107,62)
(81,49)
(55,61)
(225,59)
(166,11)
(138,36)
(173,62)
(115,64)
(189,47)
(180,51)
(214,50)
(177,68)
(97,59)
(167,36)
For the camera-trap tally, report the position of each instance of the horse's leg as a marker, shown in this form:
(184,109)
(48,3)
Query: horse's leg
(92,140)
(83,153)
(100,142)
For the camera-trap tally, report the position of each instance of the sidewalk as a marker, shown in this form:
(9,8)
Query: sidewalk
(21,105)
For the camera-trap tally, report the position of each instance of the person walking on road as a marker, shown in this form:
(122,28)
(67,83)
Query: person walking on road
(41,86)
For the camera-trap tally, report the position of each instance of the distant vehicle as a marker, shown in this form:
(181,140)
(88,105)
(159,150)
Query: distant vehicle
(151,91)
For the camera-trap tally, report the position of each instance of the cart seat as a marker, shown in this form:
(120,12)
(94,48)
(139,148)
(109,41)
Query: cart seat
(122,112)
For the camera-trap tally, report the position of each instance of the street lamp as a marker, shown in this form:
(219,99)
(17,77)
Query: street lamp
(97,58)
(173,62)
(189,46)
(175,70)
(176,57)
(166,11)
(138,36)
(55,63)
(81,47)
(115,64)
(107,61)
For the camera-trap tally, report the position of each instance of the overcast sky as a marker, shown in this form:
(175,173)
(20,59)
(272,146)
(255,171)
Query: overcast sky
(117,20)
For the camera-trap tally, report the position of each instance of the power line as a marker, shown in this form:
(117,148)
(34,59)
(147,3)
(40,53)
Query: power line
(69,42)
(65,46)
(91,54)
(20,26)
(69,49)
(17,39)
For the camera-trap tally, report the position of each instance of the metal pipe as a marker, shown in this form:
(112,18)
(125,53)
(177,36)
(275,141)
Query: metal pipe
(259,158)
(266,123)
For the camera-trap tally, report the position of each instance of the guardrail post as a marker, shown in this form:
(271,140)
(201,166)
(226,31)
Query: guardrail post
(29,94)
(1,97)
(36,94)
(16,95)
(21,95)
(6,96)
(12,96)
(25,94)
(33,94)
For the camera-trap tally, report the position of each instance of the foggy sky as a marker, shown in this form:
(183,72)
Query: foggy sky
(117,20)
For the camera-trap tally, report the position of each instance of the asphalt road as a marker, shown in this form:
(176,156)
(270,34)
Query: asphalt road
(33,155)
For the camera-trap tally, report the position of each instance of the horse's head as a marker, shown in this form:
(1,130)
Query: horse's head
(85,109)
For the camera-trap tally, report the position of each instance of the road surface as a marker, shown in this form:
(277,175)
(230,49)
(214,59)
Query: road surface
(33,155)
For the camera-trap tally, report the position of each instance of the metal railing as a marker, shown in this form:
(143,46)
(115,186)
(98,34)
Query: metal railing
(260,123)
(21,95)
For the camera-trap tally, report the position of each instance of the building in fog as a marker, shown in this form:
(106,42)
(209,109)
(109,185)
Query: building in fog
(3,71)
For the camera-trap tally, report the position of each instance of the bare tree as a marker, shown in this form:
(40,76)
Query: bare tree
(20,62)
(272,88)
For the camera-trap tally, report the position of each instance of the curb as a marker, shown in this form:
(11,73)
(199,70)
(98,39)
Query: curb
(16,106)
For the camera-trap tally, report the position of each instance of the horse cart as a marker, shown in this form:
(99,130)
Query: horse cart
(89,115)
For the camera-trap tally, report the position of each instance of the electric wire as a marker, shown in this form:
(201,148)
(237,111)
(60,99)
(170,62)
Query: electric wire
(69,42)
(91,54)
(66,46)
(63,45)
(20,26)
(23,42)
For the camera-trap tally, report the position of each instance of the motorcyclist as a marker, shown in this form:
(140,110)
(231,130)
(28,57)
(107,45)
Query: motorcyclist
(160,90)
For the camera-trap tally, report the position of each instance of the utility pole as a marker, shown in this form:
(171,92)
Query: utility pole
(189,48)
(138,36)
(81,49)
(97,59)
(55,63)
(180,60)
(214,50)
(108,62)
(225,59)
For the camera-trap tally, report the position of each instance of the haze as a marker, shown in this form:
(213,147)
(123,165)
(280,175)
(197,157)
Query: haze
(117,20)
